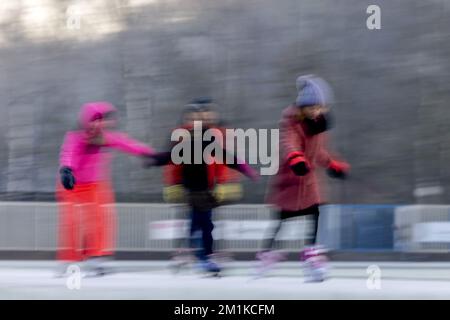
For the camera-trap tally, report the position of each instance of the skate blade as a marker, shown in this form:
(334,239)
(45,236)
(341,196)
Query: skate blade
(99,273)
(214,275)
(314,280)
(260,273)
(178,268)
(264,272)
(210,274)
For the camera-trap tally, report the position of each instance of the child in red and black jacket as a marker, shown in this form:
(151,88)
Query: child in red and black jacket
(204,186)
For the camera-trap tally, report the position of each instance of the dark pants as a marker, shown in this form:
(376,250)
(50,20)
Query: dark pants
(284,215)
(201,223)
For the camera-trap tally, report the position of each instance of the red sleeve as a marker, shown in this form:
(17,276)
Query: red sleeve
(173,174)
(290,139)
(323,157)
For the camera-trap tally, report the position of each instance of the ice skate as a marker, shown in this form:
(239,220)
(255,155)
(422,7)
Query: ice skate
(315,264)
(267,261)
(62,270)
(222,258)
(181,260)
(209,268)
(95,267)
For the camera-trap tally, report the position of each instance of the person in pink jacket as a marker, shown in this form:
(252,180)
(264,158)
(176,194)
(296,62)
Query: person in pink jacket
(294,191)
(84,191)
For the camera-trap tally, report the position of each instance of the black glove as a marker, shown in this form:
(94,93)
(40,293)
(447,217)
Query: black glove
(158,159)
(336,174)
(338,169)
(298,163)
(67,178)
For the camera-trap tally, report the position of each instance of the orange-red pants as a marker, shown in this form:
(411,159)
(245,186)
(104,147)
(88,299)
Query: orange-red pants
(86,221)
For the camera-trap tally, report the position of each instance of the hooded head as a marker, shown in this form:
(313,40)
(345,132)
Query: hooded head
(207,107)
(190,114)
(200,109)
(93,115)
(313,90)
(314,98)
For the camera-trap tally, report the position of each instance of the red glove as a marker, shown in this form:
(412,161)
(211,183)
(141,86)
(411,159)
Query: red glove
(338,169)
(298,163)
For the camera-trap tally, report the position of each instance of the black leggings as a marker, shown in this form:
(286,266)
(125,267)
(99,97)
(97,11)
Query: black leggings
(284,215)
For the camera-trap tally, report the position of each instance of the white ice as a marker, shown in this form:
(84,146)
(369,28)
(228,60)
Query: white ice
(153,280)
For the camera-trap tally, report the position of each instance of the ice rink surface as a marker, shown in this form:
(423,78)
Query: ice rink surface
(153,280)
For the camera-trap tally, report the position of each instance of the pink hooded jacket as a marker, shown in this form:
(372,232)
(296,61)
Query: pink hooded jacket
(91,163)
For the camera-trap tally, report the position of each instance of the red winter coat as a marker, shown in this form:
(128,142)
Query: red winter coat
(288,191)
(218,173)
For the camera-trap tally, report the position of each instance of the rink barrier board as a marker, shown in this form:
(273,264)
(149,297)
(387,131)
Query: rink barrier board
(407,218)
(32,226)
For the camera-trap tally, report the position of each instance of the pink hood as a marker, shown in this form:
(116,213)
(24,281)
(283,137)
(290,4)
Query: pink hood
(90,110)
(89,162)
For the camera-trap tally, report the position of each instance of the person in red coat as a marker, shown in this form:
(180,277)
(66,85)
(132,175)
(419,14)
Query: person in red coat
(294,191)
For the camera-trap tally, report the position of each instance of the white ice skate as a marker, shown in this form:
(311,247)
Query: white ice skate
(315,264)
(209,267)
(181,260)
(267,261)
(96,267)
(61,270)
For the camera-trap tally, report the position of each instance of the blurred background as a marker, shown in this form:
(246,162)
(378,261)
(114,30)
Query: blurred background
(150,57)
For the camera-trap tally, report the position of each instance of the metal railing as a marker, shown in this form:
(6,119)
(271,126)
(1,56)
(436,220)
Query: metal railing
(417,228)
(32,226)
